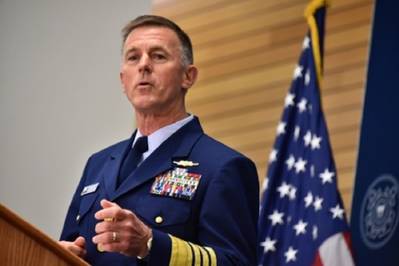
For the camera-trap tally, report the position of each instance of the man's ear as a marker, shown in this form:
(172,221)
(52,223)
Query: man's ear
(121,77)
(189,77)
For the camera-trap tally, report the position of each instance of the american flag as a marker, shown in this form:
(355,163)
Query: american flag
(302,219)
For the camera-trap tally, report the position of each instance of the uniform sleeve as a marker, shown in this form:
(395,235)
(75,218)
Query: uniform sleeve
(227,224)
(70,229)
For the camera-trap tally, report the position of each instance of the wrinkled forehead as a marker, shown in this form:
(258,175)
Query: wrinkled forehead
(148,36)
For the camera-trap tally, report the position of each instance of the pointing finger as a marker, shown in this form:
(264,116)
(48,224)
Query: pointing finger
(110,212)
(108,204)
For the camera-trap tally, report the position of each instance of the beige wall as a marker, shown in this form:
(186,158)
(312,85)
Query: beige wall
(60,99)
(246,52)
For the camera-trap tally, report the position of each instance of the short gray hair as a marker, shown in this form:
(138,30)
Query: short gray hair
(152,20)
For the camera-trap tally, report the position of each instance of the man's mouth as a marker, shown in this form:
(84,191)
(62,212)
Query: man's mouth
(144,84)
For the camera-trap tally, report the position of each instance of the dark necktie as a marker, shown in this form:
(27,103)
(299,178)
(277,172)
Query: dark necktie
(133,158)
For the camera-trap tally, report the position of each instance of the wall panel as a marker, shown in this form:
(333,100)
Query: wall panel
(246,52)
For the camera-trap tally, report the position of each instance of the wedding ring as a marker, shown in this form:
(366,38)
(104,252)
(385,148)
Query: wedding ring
(109,219)
(113,236)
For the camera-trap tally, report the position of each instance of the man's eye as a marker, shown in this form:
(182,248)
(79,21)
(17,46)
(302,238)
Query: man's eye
(158,56)
(132,57)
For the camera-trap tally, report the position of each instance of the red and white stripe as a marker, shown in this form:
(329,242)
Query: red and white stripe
(335,250)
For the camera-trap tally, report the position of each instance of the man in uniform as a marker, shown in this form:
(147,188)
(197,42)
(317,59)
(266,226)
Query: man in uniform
(126,210)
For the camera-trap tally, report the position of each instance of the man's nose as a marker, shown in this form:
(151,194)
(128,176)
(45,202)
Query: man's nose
(145,64)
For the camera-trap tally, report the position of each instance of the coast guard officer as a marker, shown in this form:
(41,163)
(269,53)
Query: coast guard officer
(169,195)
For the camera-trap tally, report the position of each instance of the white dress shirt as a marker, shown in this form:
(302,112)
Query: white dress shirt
(158,137)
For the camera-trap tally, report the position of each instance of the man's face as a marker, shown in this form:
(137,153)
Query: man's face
(152,73)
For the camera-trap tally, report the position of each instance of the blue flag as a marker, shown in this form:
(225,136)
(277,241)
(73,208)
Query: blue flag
(302,219)
(375,205)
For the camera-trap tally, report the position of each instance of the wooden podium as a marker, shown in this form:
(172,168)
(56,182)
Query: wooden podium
(23,245)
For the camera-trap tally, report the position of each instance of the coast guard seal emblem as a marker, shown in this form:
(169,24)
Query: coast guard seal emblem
(379,213)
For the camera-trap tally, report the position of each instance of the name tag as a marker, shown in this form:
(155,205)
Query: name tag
(89,189)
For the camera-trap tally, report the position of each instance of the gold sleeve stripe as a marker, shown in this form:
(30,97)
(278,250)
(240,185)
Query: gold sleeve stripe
(200,255)
(197,260)
(188,260)
(184,253)
(174,251)
(212,254)
(181,254)
(205,256)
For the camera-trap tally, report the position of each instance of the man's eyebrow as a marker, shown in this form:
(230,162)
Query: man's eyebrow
(130,50)
(158,48)
(152,49)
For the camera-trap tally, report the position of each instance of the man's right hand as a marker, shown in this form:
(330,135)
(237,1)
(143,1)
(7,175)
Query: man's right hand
(77,247)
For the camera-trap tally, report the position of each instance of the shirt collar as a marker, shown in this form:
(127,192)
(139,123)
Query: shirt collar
(158,137)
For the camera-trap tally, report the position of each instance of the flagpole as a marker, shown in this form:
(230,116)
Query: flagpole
(309,13)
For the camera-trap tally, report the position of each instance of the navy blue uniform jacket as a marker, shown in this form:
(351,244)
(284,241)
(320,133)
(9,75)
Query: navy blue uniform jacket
(216,226)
